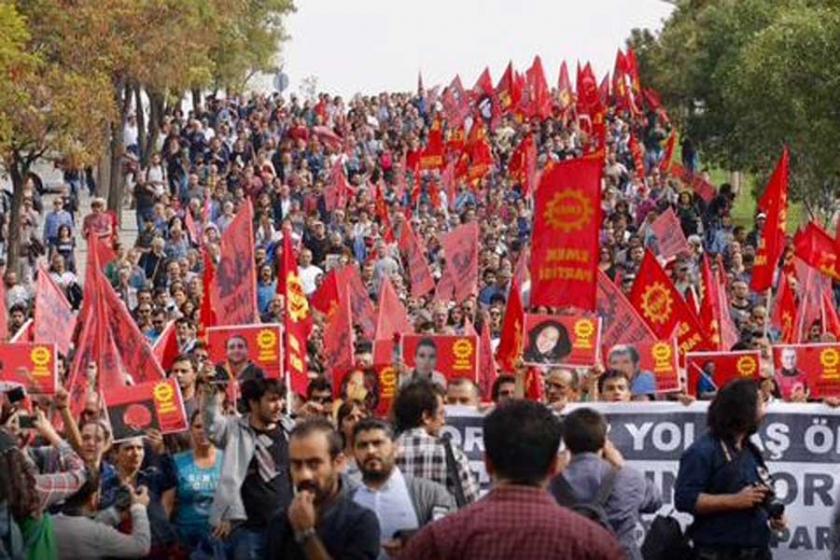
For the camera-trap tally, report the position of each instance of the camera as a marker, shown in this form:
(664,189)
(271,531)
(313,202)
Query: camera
(771,506)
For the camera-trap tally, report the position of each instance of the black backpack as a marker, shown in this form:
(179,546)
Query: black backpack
(665,540)
(594,510)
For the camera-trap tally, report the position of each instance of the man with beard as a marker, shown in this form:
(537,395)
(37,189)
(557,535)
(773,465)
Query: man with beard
(322,522)
(403,504)
(255,471)
(238,364)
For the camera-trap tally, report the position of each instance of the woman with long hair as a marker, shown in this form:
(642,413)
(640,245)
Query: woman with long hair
(349,414)
(548,343)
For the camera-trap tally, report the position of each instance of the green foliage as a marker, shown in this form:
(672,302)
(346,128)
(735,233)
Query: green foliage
(745,77)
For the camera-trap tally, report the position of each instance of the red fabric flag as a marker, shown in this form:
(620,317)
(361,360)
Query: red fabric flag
(588,96)
(336,193)
(729,334)
(419,273)
(784,311)
(774,203)
(638,154)
(455,143)
(53,314)
(564,252)
(455,103)
(512,341)
(165,347)
(363,312)
(297,319)
(192,230)
(392,318)
(831,320)
(536,98)
(338,336)
(652,99)
(710,309)
(325,299)
(207,313)
(661,305)
(483,86)
(621,323)
(564,88)
(633,70)
(604,89)
(508,91)
(812,285)
(670,239)
(523,165)
(236,275)
(520,272)
(431,157)
(816,247)
(104,253)
(460,249)
(670,148)
(477,159)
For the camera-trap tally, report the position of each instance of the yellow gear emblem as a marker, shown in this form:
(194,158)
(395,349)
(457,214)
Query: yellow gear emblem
(657,303)
(297,305)
(568,211)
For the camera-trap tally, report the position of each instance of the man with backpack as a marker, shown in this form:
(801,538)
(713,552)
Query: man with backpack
(597,484)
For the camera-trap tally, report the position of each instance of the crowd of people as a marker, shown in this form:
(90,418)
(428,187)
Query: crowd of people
(326,474)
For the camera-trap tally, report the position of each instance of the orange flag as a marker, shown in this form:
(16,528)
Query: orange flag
(661,305)
(774,203)
(392,318)
(564,252)
(297,320)
(512,340)
(53,314)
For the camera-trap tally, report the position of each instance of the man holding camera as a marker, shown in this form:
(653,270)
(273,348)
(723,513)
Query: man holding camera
(724,483)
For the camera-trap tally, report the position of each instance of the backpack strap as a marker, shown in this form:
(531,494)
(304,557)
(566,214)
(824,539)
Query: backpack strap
(606,488)
(563,491)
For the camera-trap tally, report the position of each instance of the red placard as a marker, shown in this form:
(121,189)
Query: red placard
(375,386)
(31,365)
(264,346)
(660,358)
(811,367)
(728,366)
(136,409)
(451,356)
(571,340)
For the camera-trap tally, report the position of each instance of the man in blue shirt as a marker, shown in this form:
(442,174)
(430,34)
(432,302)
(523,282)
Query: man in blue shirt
(54,220)
(626,360)
(724,483)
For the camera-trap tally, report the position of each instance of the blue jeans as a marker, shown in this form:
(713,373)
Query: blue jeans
(242,544)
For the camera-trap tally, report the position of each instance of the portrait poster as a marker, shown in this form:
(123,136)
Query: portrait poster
(136,409)
(658,360)
(442,357)
(719,368)
(31,365)
(811,368)
(260,344)
(571,340)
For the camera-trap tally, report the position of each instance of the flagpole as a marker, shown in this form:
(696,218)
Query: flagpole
(769,299)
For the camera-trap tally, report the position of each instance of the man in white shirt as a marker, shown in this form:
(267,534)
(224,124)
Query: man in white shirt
(403,504)
(308,272)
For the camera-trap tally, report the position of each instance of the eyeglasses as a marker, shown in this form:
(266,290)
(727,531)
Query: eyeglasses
(325,399)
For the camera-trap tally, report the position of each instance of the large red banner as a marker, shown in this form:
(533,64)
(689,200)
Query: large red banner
(31,365)
(670,239)
(236,277)
(134,410)
(564,253)
(774,204)
(263,346)
(571,340)
(812,368)
(446,355)
(53,314)
(460,249)
(719,368)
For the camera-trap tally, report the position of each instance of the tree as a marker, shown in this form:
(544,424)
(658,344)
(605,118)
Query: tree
(45,110)
(745,78)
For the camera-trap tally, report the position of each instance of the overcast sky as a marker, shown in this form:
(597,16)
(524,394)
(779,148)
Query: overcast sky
(376,45)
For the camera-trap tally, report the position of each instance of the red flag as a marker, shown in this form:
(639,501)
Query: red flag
(774,203)
(729,334)
(508,91)
(392,318)
(536,99)
(419,273)
(236,276)
(335,195)
(512,341)
(487,371)
(564,88)
(812,286)
(670,239)
(53,314)
(604,89)
(661,305)
(784,312)
(816,247)
(588,96)
(165,347)
(455,103)
(484,85)
(431,157)
(192,230)
(523,165)
(338,336)
(207,313)
(710,309)
(477,159)
(621,323)
(831,321)
(460,249)
(363,312)
(638,154)
(670,147)
(104,253)
(297,319)
(564,252)
(325,299)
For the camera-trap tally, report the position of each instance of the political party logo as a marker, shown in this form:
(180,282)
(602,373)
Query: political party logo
(568,211)
(463,351)
(657,303)
(830,360)
(584,329)
(298,305)
(662,353)
(746,366)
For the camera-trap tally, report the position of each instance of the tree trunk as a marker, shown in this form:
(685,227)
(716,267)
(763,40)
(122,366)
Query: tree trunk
(141,123)
(196,101)
(18,169)
(115,182)
(156,101)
